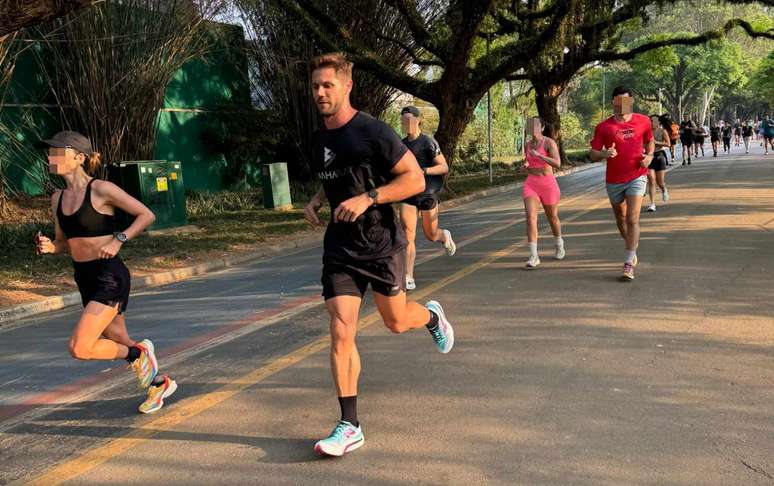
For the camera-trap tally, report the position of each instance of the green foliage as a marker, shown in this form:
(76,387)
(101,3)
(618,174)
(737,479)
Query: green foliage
(245,137)
(762,80)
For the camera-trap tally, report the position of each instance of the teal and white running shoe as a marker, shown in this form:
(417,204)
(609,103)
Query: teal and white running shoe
(443,335)
(344,438)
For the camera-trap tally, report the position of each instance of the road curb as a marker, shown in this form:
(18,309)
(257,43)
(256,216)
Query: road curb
(58,302)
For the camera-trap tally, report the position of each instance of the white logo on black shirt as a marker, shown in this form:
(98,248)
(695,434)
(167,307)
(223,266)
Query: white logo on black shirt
(329,156)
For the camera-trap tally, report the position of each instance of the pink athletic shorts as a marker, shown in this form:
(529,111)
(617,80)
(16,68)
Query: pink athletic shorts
(544,188)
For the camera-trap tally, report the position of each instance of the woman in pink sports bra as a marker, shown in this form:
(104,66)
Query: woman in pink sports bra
(542,156)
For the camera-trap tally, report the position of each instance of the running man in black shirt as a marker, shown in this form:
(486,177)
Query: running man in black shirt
(727,132)
(747,133)
(714,138)
(363,167)
(433,164)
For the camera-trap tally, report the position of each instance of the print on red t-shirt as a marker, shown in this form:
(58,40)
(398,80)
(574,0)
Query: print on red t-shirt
(629,138)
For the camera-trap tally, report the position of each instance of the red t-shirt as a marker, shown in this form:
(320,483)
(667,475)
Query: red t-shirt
(629,138)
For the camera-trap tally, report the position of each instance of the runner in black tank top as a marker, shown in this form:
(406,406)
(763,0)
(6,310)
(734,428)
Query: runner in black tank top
(86,229)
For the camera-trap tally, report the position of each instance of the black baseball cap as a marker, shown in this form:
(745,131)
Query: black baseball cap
(411,109)
(69,139)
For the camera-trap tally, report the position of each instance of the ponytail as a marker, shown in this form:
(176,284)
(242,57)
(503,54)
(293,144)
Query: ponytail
(93,162)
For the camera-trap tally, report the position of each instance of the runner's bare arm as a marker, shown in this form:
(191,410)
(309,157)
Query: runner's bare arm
(59,245)
(553,159)
(597,155)
(440,167)
(118,198)
(664,138)
(314,205)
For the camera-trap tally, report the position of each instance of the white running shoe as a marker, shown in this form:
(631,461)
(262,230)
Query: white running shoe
(559,255)
(443,335)
(410,283)
(344,438)
(652,208)
(451,248)
(665,195)
(533,262)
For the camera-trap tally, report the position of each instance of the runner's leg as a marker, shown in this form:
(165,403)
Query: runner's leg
(619,210)
(430,226)
(408,218)
(345,360)
(86,343)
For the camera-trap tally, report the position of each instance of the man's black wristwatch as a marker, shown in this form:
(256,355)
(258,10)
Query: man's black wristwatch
(121,237)
(373,194)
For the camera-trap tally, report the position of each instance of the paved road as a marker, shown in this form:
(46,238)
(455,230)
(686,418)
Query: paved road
(563,375)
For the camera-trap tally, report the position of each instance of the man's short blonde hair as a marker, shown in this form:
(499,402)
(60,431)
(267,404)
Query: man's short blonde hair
(336,60)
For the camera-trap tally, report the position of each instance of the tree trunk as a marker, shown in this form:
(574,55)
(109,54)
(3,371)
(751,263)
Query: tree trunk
(547,101)
(455,113)
(16,15)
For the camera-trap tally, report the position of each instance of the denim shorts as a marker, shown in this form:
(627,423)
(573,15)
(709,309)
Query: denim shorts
(635,187)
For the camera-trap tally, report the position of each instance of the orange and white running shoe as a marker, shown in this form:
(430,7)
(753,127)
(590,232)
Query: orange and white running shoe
(157,394)
(146,366)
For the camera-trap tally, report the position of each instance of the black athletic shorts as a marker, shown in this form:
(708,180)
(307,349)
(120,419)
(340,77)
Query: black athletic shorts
(106,281)
(659,161)
(687,141)
(714,139)
(387,276)
(423,202)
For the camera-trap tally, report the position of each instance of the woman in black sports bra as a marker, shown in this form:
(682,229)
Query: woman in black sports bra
(85,228)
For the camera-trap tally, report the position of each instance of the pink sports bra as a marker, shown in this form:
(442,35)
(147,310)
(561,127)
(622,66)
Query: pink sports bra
(533,161)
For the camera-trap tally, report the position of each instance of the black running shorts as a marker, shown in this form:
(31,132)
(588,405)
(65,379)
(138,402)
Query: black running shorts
(423,202)
(387,276)
(106,281)
(659,161)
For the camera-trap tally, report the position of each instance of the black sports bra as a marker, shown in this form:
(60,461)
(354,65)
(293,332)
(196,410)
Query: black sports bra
(86,221)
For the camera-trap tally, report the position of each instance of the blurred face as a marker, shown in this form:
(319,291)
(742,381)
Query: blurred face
(63,160)
(534,127)
(654,122)
(623,104)
(409,123)
(330,90)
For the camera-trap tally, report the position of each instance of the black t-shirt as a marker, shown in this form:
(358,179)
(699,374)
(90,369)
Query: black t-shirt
(426,149)
(747,131)
(727,131)
(715,133)
(349,161)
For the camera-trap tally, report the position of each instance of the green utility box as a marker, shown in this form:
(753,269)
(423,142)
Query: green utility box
(276,186)
(156,183)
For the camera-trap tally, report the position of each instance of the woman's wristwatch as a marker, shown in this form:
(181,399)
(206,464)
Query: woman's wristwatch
(121,237)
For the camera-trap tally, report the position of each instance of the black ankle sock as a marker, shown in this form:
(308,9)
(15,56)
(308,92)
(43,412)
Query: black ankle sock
(432,325)
(349,409)
(158,381)
(134,353)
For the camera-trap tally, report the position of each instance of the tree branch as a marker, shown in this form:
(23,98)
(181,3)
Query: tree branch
(364,58)
(415,57)
(607,56)
(416,24)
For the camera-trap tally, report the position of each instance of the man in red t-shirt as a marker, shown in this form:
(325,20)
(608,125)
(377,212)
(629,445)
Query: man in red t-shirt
(625,140)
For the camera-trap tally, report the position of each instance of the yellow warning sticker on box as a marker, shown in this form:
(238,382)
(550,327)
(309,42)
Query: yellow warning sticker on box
(173,176)
(161,184)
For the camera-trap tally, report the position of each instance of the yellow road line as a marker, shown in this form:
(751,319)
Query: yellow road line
(185,410)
